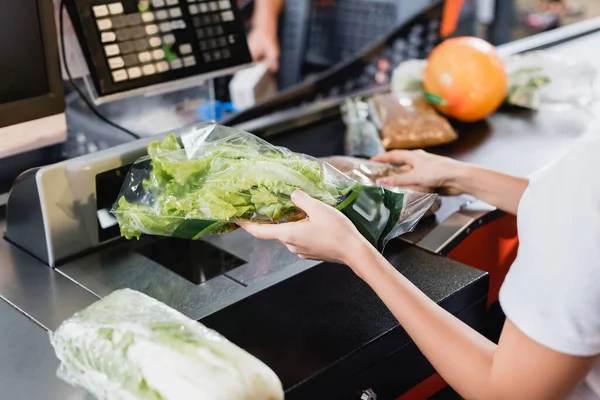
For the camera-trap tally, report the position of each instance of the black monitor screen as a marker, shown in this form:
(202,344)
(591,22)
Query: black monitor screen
(22,61)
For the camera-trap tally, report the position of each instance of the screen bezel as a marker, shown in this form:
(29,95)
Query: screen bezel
(53,102)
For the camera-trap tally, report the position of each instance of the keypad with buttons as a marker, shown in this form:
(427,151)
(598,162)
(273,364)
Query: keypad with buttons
(209,19)
(143,36)
(166,39)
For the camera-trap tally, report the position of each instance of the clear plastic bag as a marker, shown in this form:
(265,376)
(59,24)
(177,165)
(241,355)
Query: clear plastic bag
(536,78)
(367,173)
(362,136)
(540,77)
(129,346)
(223,176)
(409,122)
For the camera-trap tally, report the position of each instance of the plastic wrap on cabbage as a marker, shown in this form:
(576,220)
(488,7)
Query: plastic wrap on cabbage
(223,176)
(129,346)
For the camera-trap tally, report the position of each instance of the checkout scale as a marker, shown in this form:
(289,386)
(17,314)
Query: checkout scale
(322,330)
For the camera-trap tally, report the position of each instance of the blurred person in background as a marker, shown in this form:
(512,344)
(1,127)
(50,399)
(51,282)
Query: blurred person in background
(263,40)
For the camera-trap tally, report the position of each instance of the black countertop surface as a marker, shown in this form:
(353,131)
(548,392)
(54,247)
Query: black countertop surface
(327,316)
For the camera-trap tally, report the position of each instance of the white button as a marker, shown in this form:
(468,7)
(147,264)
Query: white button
(165,27)
(185,48)
(172,2)
(154,42)
(116,8)
(104,24)
(108,37)
(149,69)
(112,50)
(151,29)
(145,57)
(175,12)
(134,72)
(162,66)
(213,6)
(178,24)
(119,75)
(189,61)
(147,17)
(158,54)
(203,7)
(158,3)
(169,39)
(224,5)
(116,62)
(227,16)
(162,14)
(231,39)
(100,11)
(194,9)
(176,64)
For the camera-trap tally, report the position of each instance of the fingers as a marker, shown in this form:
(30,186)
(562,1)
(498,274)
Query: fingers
(266,231)
(273,64)
(406,179)
(272,60)
(306,203)
(395,157)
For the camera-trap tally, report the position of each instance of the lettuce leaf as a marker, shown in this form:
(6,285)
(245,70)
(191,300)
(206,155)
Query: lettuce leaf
(223,181)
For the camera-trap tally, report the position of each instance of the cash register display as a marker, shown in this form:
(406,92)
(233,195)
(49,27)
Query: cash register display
(22,67)
(134,44)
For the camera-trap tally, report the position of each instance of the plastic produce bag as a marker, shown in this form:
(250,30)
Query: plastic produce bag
(362,136)
(224,175)
(535,78)
(409,122)
(129,346)
(539,77)
(368,172)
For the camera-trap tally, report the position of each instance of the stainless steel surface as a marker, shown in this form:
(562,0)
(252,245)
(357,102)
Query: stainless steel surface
(553,38)
(65,196)
(27,362)
(462,222)
(37,290)
(119,266)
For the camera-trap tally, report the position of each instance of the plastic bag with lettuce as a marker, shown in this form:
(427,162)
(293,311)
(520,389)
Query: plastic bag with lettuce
(222,175)
(129,346)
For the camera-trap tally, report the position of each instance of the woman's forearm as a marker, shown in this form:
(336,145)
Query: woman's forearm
(266,14)
(501,190)
(461,356)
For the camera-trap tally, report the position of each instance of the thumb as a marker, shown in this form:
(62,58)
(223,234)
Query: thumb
(409,178)
(306,203)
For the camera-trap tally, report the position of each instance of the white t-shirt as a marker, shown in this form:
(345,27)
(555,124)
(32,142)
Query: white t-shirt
(552,291)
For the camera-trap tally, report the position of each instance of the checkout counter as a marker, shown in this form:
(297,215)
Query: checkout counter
(318,326)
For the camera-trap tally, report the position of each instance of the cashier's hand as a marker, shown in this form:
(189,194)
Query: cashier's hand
(264,47)
(423,169)
(326,235)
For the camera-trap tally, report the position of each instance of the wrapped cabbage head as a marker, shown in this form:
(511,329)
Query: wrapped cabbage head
(129,346)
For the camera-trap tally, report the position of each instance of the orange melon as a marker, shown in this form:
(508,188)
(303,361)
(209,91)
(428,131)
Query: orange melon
(465,79)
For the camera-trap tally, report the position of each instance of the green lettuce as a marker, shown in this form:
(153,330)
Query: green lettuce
(222,181)
(129,346)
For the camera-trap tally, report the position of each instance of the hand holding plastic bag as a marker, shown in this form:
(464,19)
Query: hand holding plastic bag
(226,176)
